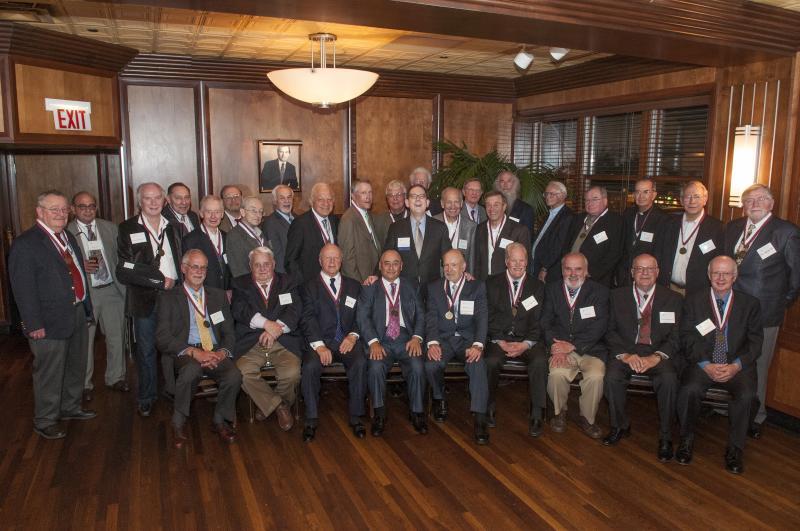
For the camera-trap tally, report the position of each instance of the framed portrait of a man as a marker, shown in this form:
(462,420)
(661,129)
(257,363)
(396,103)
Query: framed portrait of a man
(279,163)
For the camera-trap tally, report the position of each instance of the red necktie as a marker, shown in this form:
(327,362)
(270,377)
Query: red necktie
(75,273)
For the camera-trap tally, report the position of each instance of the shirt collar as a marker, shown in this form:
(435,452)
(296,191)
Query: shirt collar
(319,218)
(386,283)
(285,216)
(555,210)
(162,224)
(84,226)
(649,293)
(327,278)
(760,223)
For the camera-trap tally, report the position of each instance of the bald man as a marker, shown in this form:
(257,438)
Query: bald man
(309,232)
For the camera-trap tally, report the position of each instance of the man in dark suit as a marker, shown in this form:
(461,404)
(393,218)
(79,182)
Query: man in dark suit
(552,237)
(267,311)
(574,321)
(209,239)
(642,226)
(515,303)
(688,243)
(149,249)
(245,236)
(419,239)
(232,199)
(396,204)
(456,322)
(643,338)
(767,251)
(421,176)
(723,335)
(460,229)
(596,234)
(358,239)
(179,208)
(508,184)
(195,327)
(309,232)
(494,235)
(391,319)
(275,227)
(329,328)
(279,171)
(472,190)
(51,291)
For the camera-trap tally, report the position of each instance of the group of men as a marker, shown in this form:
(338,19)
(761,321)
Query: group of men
(682,298)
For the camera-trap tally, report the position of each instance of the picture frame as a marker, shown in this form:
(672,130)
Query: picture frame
(272,154)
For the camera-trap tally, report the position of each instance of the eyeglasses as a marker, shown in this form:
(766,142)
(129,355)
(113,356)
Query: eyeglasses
(639,269)
(232,196)
(56,210)
(396,195)
(86,207)
(197,268)
(750,201)
(721,274)
(551,194)
(414,197)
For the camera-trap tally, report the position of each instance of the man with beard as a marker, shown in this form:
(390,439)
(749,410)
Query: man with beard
(508,184)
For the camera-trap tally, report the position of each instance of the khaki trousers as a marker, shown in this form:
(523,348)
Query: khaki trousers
(593,370)
(287,374)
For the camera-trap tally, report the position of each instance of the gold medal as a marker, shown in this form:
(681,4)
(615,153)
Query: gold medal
(448,315)
(683,250)
(582,235)
(206,324)
(161,252)
(513,311)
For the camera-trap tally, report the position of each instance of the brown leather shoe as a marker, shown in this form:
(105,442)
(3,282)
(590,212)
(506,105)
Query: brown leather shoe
(559,422)
(592,430)
(226,433)
(179,437)
(260,416)
(284,414)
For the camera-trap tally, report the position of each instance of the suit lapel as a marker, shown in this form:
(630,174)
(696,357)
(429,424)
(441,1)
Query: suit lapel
(762,238)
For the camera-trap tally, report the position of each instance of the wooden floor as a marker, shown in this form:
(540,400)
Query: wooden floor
(119,471)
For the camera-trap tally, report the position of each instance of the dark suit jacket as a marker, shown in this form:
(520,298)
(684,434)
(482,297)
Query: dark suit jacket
(170,215)
(745,331)
(303,244)
(247,301)
(218,275)
(502,324)
(774,280)
(271,175)
(276,231)
(172,332)
(697,269)
(604,256)
(319,311)
(623,323)
(633,246)
(586,334)
(548,252)
(511,231)
(371,311)
(524,214)
(144,280)
(42,284)
(471,328)
(434,244)
(481,212)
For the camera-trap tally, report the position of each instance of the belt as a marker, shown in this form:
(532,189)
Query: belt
(103,286)
(200,346)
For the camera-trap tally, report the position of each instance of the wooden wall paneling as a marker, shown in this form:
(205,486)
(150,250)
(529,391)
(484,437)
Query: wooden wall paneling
(394,137)
(203,139)
(349,155)
(783,393)
(482,126)
(238,118)
(438,130)
(116,207)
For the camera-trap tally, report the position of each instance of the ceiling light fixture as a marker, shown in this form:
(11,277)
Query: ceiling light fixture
(558,53)
(523,59)
(322,86)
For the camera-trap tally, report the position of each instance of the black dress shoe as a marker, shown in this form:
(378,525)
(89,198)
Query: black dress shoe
(359,430)
(733,460)
(664,450)
(81,414)
(308,433)
(439,410)
(754,432)
(615,435)
(378,425)
(684,453)
(535,428)
(419,423)
(481,431)
(491,419)
(51,432)
(145,410)
(120,386)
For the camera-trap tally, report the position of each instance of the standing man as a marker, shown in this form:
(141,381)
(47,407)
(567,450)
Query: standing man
(245,236)
(643,338)
(149,249)
(210,240)
(473,191)
(689,242)
(232,199)
(642,224)
(279,171)
(98,240)
(51,290)
(359,242)
(276,226)
(494,235)
(460,229)
(508,184)
(767,251)
(422,177)
(456,324)
(552,237)
(179,208)
(396,205)
(309,232)
(329,327)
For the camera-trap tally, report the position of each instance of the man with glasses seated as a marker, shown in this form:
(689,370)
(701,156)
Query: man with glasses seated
(546,251)
(642,224)
(245,236)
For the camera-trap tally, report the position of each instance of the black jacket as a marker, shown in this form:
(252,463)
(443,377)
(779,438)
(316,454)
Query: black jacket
(581,329)
(697,270)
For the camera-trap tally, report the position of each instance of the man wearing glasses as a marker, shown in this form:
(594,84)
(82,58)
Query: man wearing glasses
(232,200)
(642,224)
(767,251)
(546,252)
(245,236)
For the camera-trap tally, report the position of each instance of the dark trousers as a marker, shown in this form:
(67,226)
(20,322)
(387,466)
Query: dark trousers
(413,372)
(476,370)
(665,384)
(538,369)
(146,359)
(59,367)
(355,365)
(228,379)
(694,386)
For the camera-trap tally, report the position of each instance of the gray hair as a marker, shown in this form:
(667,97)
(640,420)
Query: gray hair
(517,184)
(601,189)
(46,193)
(755,187)
(260,250)
(422,170)
(207,199)
(394,183)
(143,185)
(316,189)
(278,189)
(562,189)
(189,253)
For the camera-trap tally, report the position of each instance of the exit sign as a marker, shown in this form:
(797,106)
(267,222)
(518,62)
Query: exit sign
(70,115)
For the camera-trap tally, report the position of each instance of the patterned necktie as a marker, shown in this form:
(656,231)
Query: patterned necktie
(644,324)
(327,227)
(418,239)
(393,330)
(368,221)
(473,215)
(339,334)
(203,330)
(720,353)
(744,246)
(74,272)
(101,275)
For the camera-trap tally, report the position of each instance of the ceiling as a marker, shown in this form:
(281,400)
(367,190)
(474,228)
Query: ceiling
(225,35)
(794,5)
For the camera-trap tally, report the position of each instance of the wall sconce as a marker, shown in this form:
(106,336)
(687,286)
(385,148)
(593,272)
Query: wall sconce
(746,144)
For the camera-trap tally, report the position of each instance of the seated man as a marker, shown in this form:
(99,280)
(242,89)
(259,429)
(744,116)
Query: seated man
(515,305)
(267,314)
(643,338)
(195,326)
(722,335)
(391,320)
(456,322)
(574,320)
(329,326)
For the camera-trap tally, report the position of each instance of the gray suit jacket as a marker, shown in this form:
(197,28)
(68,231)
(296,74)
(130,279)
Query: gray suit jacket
(465,242)
(225,224)
(107,233)
(276,230)
(237,246)
(481,213)
(360,253)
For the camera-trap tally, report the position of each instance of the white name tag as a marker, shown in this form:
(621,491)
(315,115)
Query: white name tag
(600,237)
(646,236)
(217,317)
(94,245)
(707,246)
(285,298)
(766,251)
(127,265)
(225,257)
(138,237)
(505,242)
(666,317)
(350,302)
(512,218)
(467,308)
(529,303)
(404,244)
(462,244)
(705,327)
(587,312)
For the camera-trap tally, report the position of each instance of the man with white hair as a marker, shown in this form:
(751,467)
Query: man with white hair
(396,204)
(309,232)
(276,226)
(422,177)
(245,236)
(210,240)
(359,241)
(508,184)
(546,251)
(460,228)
